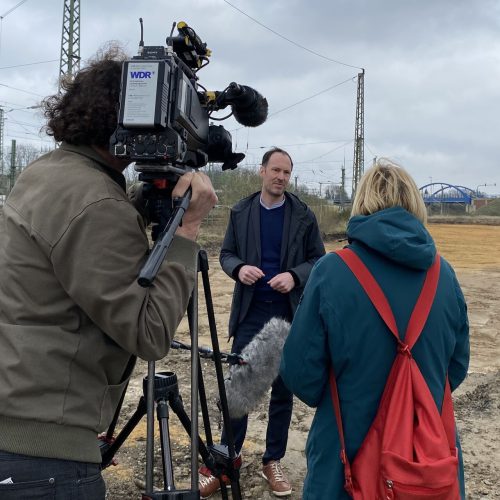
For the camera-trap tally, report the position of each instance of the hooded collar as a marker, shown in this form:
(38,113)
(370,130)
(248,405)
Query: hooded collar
(396,234)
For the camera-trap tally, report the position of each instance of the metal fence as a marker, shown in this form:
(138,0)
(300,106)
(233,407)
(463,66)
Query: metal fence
(331,219)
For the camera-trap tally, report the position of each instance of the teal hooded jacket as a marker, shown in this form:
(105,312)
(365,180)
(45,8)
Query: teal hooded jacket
(336,324)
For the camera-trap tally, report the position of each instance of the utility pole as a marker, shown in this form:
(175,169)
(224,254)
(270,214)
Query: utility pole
(69,61)
(359,134)
(342,186)
(320,184)
(12,176)
(296,179)
(2,121)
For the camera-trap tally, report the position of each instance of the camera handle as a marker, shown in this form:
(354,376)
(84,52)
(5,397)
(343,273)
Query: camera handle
(162,244)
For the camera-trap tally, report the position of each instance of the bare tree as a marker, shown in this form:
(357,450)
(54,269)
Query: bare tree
(336,193)
(25,154)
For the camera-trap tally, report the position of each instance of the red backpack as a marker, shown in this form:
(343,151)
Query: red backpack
(409,451)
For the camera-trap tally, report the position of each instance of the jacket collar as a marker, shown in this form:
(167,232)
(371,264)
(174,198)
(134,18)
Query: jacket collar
(100,162)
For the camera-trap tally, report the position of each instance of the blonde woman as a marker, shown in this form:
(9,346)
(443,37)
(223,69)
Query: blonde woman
(337,326)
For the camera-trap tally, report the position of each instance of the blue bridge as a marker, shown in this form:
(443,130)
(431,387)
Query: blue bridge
(442,192)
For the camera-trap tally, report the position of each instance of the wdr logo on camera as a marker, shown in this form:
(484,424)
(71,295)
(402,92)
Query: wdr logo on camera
(140,74)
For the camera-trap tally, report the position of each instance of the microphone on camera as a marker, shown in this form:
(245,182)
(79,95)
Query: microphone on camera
(249,381)
(248,106)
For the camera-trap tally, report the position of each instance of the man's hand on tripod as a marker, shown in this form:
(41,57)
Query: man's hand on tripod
(203,199)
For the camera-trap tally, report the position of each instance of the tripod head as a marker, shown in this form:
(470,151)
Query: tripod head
(165,386)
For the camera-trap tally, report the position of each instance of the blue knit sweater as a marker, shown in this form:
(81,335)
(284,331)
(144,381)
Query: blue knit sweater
(271,233)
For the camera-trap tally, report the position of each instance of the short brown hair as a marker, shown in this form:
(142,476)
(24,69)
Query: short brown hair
(85,112)
(387,185)
(268,154)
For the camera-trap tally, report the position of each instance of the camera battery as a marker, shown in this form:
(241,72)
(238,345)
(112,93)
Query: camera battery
(145,94)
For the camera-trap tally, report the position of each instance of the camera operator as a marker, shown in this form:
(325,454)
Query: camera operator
(72,316)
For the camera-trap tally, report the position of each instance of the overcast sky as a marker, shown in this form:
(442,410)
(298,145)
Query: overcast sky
(432,91)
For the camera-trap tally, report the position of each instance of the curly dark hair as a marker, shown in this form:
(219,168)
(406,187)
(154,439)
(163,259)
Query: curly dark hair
(85,112)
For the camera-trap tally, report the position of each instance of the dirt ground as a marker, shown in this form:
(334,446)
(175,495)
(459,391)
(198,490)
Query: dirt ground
(474,251)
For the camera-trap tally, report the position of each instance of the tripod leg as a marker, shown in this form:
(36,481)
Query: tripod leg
(195,360)
(108,455)
(178,408)
(204,409)
(150,422)
(203,263)
(233,474)
(168,473)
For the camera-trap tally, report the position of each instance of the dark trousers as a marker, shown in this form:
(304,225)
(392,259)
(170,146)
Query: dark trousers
(281,403)
(48,478)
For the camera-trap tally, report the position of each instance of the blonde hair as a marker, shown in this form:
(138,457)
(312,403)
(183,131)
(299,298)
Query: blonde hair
(387,185)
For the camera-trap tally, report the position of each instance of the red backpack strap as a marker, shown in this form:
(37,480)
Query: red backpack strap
(423,306)
(421,310)
(379,300)
(371,287)
(416,324)
(338,417)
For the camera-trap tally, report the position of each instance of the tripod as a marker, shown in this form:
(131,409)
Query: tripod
(161,390)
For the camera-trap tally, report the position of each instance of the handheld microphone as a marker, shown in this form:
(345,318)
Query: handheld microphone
(249,382)
(248,106)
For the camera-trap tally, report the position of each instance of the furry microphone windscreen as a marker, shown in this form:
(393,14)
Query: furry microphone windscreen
(248,383)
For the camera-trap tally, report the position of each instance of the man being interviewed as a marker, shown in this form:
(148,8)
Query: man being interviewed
(271,243)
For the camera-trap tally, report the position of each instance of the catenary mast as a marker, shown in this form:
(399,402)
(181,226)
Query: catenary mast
(2,122)
(69,62)
(359,135)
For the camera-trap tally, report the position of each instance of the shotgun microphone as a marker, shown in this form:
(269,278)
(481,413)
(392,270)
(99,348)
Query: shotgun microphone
(249,381)
(249,106)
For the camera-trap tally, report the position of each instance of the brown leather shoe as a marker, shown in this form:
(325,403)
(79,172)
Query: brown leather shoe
(278,482)
(209,484)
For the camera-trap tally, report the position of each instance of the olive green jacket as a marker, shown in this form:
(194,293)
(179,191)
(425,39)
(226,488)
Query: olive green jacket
(71,311)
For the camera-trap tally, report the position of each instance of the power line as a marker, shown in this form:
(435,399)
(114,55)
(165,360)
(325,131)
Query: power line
(28,124)
(9,102)
(368,147)
(13,9)
(328,152)
(20,107)
(291,41)
(29,64)
(300,168)
(302,100)
(297,144)
(10,136)
(322,162)
(311,97)
(20,90)
(14,122)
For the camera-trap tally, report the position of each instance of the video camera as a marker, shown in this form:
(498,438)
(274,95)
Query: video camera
(163,121)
